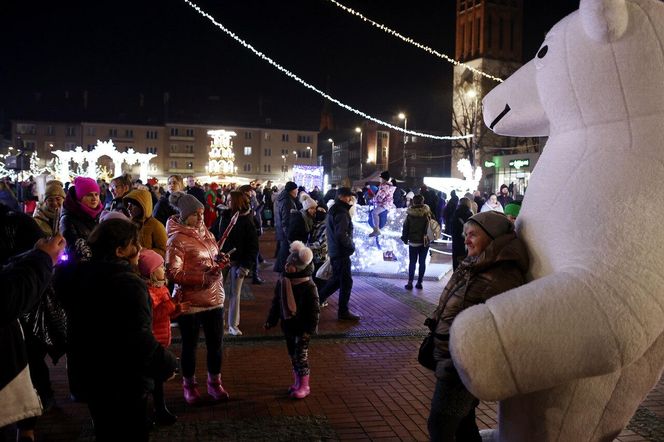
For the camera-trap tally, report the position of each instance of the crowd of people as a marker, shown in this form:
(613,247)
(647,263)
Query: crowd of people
(162,256)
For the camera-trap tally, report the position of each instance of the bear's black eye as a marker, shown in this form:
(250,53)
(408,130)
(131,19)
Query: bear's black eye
(542,52)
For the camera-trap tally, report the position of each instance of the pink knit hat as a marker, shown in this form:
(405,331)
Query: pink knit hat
(148,261)
(84,185)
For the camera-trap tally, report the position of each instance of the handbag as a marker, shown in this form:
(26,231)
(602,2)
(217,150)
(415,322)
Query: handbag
(48,324)
(433,230)
(325,271)
(428,345)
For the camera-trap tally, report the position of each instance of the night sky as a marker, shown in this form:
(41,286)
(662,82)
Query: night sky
(120,49)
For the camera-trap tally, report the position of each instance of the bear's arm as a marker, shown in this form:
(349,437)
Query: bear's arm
(551,331)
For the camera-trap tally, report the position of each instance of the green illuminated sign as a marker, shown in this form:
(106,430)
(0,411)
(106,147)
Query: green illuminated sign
(518,164)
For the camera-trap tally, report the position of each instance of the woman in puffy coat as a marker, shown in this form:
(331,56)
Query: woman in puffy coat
(153,234)
(244,239)
(80,215)
(191,263)
(413,232)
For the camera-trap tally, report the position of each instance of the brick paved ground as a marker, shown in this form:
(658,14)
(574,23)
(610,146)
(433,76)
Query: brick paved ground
(366,383)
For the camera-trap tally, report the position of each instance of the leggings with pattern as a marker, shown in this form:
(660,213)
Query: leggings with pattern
(298,350)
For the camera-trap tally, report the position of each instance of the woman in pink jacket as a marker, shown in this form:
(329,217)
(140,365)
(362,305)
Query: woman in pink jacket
(192,264)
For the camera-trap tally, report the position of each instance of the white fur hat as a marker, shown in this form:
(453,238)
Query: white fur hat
(301,255)
(307,201)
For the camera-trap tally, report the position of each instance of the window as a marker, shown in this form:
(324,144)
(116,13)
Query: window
(190,165)
(247,135)
(428,171)
(284,151)
(152,150)
(173,164)
(174,148)
(247,167)
(26,129)
(29,145)
(267,136)
(267,168)
(304,138)
(70,131)
(247,151)
(91,131)
(50,130)
(189,148)
(112,133)
(189,132)
(413,171)
(129,133)
(284,137)
(151,135)
(174,131)
(267,152)
(72,146)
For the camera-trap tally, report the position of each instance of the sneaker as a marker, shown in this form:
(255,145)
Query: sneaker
(234,331)
(324,304)
(408,286)
(374,233)
(418,286)
(348,316)
(258,281)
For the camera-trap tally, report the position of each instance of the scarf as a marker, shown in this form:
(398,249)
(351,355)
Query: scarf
(288,305)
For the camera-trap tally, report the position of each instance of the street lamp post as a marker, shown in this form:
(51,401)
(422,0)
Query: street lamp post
(403,117)
(472,94)
(359,131)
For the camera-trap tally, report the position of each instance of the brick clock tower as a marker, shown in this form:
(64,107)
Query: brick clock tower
(489,38)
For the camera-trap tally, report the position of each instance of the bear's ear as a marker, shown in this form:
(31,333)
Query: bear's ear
(604,20)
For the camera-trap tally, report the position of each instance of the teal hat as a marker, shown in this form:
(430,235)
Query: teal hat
(512,209)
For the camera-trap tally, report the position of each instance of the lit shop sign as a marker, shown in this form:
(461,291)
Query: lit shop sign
(489,164)
(518,164)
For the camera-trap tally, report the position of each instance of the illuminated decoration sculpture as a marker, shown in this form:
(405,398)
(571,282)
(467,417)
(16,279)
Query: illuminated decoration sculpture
(371,251)
(87,161)
(221,156)
(35,168)
(466,169)
(308,176)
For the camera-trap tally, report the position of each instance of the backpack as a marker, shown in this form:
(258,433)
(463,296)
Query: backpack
(433,231)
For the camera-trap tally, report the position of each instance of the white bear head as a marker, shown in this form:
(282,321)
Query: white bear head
(601,64)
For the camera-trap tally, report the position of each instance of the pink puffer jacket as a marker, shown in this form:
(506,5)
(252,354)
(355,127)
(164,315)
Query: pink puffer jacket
(190,252)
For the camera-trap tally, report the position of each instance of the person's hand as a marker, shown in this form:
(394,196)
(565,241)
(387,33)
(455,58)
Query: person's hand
(183,307)
(267,326)
(224,260)
(172,376)
(53,247)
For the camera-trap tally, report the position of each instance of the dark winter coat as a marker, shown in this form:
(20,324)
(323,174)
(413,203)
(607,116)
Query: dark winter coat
(23,281)
(308,310)
(461,215)
(76,226)
(300,227)
(431,200)
(339,230)
(448,212)
(285,205)
(329,195)
(163,210)
(501,267)
(415,225)
(197,192)
(243,237)
(111,345)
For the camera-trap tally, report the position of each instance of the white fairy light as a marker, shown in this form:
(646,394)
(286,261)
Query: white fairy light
(415,43)
(314,88)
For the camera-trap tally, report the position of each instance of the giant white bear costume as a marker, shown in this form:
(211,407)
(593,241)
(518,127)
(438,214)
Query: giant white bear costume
(571,354)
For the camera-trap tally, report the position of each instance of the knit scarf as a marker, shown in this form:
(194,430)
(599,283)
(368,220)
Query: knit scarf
(93,213)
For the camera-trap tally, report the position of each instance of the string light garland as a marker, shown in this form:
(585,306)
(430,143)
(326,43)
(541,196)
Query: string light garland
(414,43)
(314,88)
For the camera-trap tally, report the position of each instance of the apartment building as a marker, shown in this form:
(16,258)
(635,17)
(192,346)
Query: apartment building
(182,148)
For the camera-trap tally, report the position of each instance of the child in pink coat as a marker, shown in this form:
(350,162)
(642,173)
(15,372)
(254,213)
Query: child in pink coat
(151,266)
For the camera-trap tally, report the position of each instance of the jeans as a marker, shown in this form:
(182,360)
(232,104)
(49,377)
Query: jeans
(341,280)
(213,329)
(238,274)
(415,254)
(452,416)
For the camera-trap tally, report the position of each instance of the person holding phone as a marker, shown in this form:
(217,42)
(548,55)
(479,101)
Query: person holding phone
(193,263)
(244,238)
